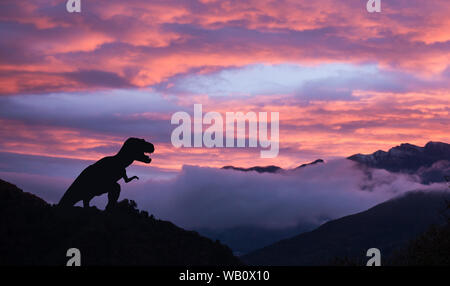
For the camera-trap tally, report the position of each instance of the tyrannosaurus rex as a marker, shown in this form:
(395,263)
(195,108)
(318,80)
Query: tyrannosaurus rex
(102,176)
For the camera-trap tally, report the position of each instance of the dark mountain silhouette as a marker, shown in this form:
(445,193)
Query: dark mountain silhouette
(430,248)
(309,164)
(266,169)
(269,169)
(388,226)
(431,162)
(33,232)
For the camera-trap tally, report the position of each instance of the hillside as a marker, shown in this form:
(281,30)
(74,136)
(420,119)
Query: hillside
(388,226)
(33,232)
(430,248)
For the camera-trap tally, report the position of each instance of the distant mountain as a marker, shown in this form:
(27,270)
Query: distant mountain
(387,226)
(266,169)
(33,232)
(309,164)
(431,162)
(269,169)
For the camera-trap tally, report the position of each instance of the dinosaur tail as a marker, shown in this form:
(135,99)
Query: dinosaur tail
(67,199)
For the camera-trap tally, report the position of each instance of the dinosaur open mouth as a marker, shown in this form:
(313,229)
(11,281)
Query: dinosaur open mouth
(146,148)
(144,158)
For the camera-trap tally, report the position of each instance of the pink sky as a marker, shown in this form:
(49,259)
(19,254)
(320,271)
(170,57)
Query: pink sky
(343,80)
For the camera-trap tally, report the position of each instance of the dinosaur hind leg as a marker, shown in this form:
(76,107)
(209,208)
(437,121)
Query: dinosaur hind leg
(113,196)
(86,202)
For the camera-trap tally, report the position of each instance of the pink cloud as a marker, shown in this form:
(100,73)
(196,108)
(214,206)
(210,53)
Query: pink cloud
(145,43)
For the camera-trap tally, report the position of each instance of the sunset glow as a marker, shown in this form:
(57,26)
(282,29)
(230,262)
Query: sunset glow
(343,81)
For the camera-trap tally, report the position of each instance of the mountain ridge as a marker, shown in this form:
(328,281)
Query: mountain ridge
(270,168)
(430,153)
(431,162)
(387,226)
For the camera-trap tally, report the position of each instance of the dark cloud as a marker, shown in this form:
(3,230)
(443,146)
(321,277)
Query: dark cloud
(98,78)
(111,49)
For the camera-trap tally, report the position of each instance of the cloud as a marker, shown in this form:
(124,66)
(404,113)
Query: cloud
(333,111)
(215,198)
(328,81)
(145,43)
(95,78)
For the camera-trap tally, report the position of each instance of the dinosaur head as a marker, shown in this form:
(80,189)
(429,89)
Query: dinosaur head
(135,149)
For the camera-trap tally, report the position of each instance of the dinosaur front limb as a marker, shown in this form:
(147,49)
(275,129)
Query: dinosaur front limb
(127,180)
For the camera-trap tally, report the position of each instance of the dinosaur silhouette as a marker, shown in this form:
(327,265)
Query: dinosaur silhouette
(102,176)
